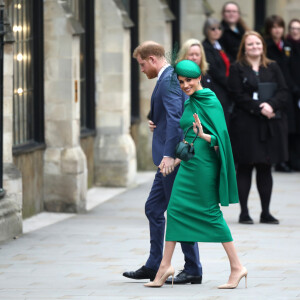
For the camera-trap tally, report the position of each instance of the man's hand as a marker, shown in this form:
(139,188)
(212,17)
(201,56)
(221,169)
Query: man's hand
(151,125)
(167,165)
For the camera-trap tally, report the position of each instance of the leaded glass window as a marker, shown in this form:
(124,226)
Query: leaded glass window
(23,82)
(26,17)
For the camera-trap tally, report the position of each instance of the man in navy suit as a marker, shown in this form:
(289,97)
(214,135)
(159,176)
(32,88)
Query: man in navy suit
(167,103)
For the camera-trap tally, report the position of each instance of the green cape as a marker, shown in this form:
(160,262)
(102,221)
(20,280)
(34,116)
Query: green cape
(211,116)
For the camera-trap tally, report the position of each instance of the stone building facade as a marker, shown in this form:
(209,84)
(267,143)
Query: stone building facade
(75,104)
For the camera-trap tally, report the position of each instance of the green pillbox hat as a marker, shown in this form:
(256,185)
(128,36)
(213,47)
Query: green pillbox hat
(187,68)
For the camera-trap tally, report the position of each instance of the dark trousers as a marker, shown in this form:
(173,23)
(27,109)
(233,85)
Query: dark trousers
(155,208)
(294,151)
(264,183)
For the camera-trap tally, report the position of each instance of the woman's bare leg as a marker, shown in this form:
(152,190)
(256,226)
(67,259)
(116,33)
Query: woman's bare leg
(166,260)
(235,265)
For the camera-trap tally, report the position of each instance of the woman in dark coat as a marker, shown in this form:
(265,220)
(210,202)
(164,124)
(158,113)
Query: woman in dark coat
(294,39)
(233,29)
(257,130)
(219,63)
(279,49)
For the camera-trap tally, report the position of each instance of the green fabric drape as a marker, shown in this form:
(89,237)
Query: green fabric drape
(211,116)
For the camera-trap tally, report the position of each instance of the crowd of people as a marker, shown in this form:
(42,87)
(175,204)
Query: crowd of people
(239,65)
(236,96)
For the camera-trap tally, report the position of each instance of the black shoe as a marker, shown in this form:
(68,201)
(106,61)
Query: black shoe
(142,273)
(268,219)
(283,167)
(183,277)
(245,220)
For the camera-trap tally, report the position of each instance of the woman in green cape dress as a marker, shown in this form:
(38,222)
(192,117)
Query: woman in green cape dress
(202,183)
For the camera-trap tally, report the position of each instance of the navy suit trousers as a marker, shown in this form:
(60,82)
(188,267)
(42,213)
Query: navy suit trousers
(155,208)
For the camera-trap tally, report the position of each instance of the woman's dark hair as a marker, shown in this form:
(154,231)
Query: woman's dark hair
(241,22)
(271,22)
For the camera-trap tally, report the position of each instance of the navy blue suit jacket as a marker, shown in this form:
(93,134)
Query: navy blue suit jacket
(167,104)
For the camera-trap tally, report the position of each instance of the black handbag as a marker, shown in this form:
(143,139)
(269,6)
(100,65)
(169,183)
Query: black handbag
(184,150)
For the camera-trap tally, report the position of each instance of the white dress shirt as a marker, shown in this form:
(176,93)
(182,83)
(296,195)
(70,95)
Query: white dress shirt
(161,70)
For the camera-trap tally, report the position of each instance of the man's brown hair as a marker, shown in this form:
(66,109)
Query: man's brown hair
(149,48)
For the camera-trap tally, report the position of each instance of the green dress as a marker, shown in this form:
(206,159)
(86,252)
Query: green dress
(205,181)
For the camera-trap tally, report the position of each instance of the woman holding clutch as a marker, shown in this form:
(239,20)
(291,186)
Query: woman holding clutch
(203,182)
(258,128)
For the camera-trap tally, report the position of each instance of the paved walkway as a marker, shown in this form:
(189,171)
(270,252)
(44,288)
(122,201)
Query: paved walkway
(82,257)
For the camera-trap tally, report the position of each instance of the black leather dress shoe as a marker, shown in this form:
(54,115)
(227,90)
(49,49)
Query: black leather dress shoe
(141,273)
(246,220)
(283,167)
(183,277)
(268,219)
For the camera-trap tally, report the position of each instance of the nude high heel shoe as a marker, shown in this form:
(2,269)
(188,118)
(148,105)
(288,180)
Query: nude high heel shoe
(163,278)
(244,273)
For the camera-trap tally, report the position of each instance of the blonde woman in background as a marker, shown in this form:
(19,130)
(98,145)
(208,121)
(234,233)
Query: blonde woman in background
(193,50)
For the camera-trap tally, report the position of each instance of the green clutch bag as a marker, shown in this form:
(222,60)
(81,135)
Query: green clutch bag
(184,150)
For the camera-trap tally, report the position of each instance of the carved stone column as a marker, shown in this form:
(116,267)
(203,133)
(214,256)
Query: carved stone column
(65,167)
(115,155)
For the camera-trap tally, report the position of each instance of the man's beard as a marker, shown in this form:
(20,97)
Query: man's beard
(151,74)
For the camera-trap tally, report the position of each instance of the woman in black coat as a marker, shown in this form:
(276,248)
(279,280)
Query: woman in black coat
(258,132)
(279,49)
(219,63)
(233,29)
(294,39)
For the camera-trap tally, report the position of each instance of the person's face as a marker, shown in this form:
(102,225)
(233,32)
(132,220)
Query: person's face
(189,85)
(277,32)
(194,54)
(214,32)
(294,30)
(253,46)
(147,66)
(231,14)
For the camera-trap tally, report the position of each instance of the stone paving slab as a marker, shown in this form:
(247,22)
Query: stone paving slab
(83,257)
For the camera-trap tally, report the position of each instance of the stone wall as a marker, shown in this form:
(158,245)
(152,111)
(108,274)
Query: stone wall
(31,168)
(191,20)
(87,145)
(288,9)
(115,155)
(11,204)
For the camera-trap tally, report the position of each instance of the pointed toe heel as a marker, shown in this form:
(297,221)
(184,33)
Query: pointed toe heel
(233,285)
(159,283)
